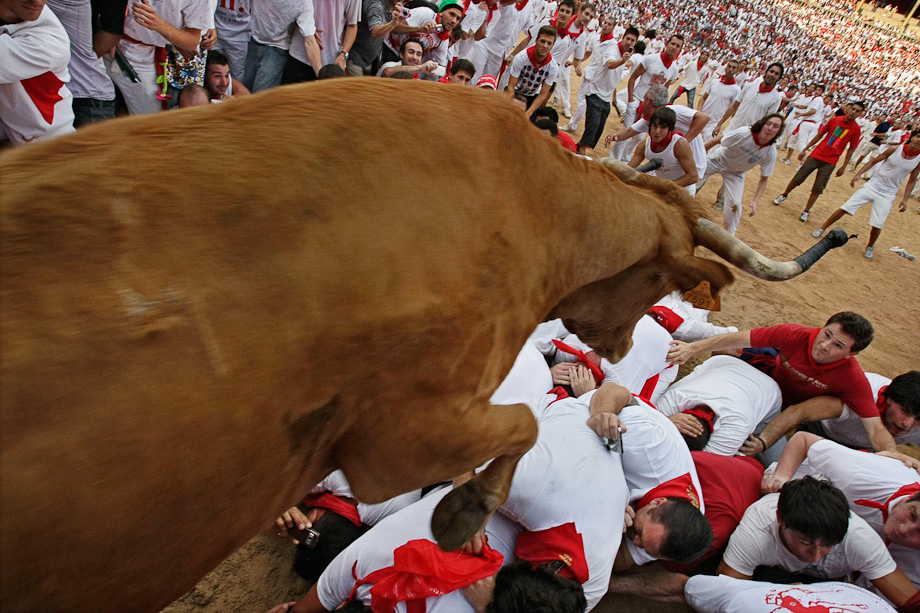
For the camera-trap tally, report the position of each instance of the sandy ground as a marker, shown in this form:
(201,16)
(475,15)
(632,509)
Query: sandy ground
(886,289)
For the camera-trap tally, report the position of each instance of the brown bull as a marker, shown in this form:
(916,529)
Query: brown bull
(204,312)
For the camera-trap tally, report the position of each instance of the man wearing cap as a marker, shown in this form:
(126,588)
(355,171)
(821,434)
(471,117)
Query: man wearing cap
(431,29)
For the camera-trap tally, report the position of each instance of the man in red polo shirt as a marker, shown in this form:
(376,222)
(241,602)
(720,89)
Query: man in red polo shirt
(815,369)
(837,134)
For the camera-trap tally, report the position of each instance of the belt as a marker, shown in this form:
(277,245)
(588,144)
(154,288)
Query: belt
(92,103)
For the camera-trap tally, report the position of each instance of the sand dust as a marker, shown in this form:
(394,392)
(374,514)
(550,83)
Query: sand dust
(886,289)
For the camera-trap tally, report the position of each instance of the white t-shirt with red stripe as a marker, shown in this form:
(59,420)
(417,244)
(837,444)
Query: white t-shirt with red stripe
(35,103)
(370,514)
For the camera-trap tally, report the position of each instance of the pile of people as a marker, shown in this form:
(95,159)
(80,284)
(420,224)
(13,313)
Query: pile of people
(634,469)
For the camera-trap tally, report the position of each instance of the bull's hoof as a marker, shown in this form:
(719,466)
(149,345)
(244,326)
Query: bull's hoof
(461,514)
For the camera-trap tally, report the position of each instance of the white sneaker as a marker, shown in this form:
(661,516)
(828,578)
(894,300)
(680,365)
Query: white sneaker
(718,205)
(817,233)
(786,161)
(779,199)
(569,127)
(567,113)
(869,252)
(803,217)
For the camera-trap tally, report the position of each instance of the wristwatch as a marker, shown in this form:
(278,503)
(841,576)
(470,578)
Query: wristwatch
(343,52)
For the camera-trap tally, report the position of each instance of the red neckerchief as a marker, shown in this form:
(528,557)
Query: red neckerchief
(907,490)
(881,401)
(667,61)
(620,47)
(768,89)
(421,570)
(560,543)
(520,5)
(606,37)
(754,135)
(444,34)
(337,505)
(679,487)
(909,155)
(726,81)
(663,143)
(699,64)
(583,359)
(666,318)
(565,31)
(532,56)
(560,393)
(705,414)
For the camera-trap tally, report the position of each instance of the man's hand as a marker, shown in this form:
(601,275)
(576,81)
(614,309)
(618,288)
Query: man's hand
(479,594)
(611,138)
(901,207)
(607,425)
(802,156)
(909,461)
(396,16)
(771,483)
(209,39)
(579,71)
(753,209)
(582,380)
(429,66)
(853,180)
(281,608)
(340,61)
(752,446)
(509,59)
(562,373)
(430,27)
(840,171)
(687,424)
(147,16)
(568,64)
(679,352)
(716,131)
(474,547)
(291,518)
(628,516)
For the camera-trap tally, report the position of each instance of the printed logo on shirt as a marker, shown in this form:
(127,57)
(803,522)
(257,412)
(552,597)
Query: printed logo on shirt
(838,134)
(802,376)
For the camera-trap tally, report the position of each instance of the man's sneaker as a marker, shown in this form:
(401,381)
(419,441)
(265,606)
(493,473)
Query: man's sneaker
(803,217)
(817,233)
(869,252)
(786,161)
(779,199)
(567,113)
(718,205)
(569,127)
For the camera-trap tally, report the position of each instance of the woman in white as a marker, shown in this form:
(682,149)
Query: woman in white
(735,152)
(671,148)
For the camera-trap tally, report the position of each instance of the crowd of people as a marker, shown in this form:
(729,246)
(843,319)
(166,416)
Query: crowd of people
(630,466)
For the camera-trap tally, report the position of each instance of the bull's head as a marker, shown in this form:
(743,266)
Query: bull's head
(603,313)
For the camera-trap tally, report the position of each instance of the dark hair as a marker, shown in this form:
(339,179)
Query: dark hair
(519,588)
(914,498)
(859,103)
(791,85)
(640,47)
(562,3)
(905,390)
(402,47)
(815,508)
(689,532)
(820,86)
(463,65)
(697,443)
(758,125)
(520,96)
(913,134)
(547,124)
(587,5)
(216,57)
(546,111)
(781,69)
(650,34)
(355,606)
(633,31)
(854,325)
(663,117)
(335,534)
(548,30)
(402,74)
(329,71)
(673,36)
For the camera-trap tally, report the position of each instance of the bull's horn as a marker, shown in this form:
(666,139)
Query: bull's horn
(623,171)
(735,252)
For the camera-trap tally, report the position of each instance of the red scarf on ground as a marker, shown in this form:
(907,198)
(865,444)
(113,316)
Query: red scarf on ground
(679,487)
(337,505)
(666,60)
(422,570)
(582,357)
(559,543)
(532,56)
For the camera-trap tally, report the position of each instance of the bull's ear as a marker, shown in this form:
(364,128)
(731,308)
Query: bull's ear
(623,171)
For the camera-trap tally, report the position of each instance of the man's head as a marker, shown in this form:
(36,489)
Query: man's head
(585,15)
(217,74)
(335,534)
(639,47)
(520,588)
(655,97)
(193,95)
(698,442)
(651,34)
(903,525)
(704,56)
(813,518)
(410,52)
(546,38)
(519,100)
(913,143)
(773,73)
(742,66)
(844,335)
(855,109)
(451,13)
(661,122)
(675,44)
(630,38)
(607,25)
(671,529)
(546,112)
(828,99)
(818,88)
(547,127)
(17,11)
(330,71)
(901,412)
(768,128)
(461,72)
(793,88)
(732,68)
(809,89)
(564,12)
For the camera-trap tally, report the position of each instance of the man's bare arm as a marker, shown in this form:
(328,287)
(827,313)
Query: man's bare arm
(681,352)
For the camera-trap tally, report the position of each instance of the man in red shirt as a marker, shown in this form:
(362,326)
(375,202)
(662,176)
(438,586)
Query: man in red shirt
(837,134)
(815,369)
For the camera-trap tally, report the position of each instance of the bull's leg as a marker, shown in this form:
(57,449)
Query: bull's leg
(465,510)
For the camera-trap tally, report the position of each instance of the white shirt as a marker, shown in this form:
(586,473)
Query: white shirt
(331,17)
(271,21)
(569,476)
(692,76)
(656,73)
(35,103)
(670,168)
(370,514)
(756,542)
(503,29)
(888,177)
(719,97)
(530,78)
(88,76)
(684,120)
(741,397)
(848,428)
(738,152)
(600,80)
(528,381)
(565,47)
(374,550)
(724,594)
(232,19)
(753,104)
(180,14)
